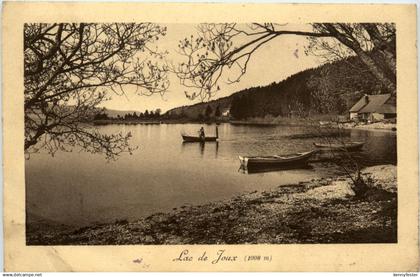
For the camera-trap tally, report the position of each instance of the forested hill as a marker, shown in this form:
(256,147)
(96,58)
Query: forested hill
(328,89)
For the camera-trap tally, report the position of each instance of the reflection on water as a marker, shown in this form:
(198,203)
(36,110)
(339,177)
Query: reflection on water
(80,188)
(201,146)
(265,169)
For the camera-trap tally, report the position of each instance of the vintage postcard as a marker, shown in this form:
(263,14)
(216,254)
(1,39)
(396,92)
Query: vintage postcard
(210,137)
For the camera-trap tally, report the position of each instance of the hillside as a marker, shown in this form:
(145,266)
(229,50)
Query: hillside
(328,89)
(193,111)
(116,113)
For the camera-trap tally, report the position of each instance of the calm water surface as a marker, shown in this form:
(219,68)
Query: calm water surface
(164,173)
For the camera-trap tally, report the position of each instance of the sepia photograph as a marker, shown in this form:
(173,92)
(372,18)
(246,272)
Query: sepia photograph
(151,133)
(210,137)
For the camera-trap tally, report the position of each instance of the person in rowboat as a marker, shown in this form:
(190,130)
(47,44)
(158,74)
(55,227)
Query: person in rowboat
(201,134)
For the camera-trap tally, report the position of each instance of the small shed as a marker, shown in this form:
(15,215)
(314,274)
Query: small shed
(374,108)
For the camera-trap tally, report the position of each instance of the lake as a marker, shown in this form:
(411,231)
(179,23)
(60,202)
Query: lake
(78,188)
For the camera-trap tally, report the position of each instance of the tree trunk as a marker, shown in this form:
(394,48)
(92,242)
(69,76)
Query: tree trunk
(353,44)
(386,48)
(377,71)
(390,61)
(34,139)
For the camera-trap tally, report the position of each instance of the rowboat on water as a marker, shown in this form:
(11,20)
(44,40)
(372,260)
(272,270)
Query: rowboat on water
(188,138)
(198,139)
(276,160)
(349,146)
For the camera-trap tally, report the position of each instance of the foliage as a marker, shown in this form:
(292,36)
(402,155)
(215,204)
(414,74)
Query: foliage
(347,160)
(217,113)
(101,116)
(70,68)
(130,116)
(218,48)
(329,89)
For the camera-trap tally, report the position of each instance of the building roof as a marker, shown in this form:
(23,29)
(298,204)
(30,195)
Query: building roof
(387,108)
(359,105)
(373,103)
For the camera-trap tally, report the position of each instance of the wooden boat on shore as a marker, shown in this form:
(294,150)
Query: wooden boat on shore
(298,159)
(188,138)
(349,146)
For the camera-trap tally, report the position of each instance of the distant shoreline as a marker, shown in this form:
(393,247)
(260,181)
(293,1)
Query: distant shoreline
(252,122)
(151,122)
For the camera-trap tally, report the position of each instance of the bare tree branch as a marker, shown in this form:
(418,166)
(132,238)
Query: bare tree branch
(71,68)
(217,47)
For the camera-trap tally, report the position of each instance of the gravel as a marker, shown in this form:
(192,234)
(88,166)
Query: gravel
(319,211)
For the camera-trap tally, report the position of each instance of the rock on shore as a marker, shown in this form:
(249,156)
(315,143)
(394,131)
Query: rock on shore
(320,211)
(382,176)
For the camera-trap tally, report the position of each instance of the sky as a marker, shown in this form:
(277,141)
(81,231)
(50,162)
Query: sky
(273,62)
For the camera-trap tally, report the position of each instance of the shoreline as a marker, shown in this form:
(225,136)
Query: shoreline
(391,127)
(377,126)
(323,210)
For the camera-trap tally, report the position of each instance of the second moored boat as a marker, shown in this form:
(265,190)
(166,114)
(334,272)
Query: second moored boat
(277,160)
(349,146)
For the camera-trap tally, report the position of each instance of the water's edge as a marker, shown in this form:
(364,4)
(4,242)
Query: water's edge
(325,210)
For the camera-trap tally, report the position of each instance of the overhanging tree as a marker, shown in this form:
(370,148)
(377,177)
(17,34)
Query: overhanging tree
(218,48)
(71,68)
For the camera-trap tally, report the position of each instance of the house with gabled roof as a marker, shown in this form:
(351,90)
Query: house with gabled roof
(374,108)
